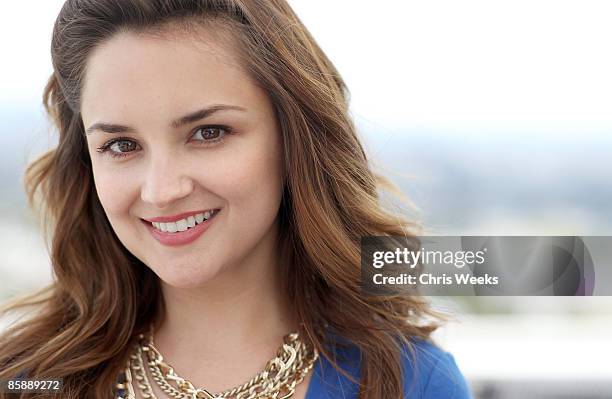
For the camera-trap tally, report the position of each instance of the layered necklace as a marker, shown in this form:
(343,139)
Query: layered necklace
(293,360)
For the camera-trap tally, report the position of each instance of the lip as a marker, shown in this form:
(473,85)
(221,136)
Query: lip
(166,219)
(182,237)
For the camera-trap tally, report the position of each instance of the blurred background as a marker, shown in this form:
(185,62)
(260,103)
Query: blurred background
(493,117)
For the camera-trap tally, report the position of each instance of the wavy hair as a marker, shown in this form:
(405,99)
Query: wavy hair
(102,295)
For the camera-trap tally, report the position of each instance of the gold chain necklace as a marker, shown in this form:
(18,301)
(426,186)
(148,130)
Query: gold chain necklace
(278,380)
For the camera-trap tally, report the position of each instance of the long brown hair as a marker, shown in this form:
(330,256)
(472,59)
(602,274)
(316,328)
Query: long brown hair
(102,295)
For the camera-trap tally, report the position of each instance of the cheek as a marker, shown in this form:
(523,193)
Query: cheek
(252,182)
(114,190)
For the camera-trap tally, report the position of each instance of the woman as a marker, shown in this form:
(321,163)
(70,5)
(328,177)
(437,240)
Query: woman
(207,198)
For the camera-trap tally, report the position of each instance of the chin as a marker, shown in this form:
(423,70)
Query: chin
(183,277)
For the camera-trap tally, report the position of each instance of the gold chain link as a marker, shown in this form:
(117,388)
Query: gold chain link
(278,380)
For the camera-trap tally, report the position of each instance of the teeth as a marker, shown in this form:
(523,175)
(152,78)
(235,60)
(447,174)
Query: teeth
(172,227)
(183,224)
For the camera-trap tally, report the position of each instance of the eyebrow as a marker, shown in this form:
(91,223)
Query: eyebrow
(182,121)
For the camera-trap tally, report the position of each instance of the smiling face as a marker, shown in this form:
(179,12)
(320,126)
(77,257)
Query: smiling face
(190,131)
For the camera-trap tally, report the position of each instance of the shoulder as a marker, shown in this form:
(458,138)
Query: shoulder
(430,372)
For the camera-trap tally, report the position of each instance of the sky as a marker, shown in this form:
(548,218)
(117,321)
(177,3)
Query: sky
(436,64)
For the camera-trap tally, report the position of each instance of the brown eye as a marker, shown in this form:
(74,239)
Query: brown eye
(119,147)
(123,146)
(211,133)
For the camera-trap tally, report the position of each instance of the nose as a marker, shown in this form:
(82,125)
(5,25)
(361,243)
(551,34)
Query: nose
(165,182)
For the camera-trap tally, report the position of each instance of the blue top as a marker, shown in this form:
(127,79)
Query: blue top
(434,375)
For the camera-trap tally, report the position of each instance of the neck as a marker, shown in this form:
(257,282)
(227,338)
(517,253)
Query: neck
(247,308)
(224,332)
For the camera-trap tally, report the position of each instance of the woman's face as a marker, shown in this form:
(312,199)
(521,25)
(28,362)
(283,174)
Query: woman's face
(191,132)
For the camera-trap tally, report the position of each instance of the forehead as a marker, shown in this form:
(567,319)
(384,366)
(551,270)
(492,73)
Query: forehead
(144,74)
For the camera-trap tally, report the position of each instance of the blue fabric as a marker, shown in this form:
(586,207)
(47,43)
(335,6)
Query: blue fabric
(434,374)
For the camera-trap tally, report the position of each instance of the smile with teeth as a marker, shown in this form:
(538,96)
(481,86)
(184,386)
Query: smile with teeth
(183,224)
